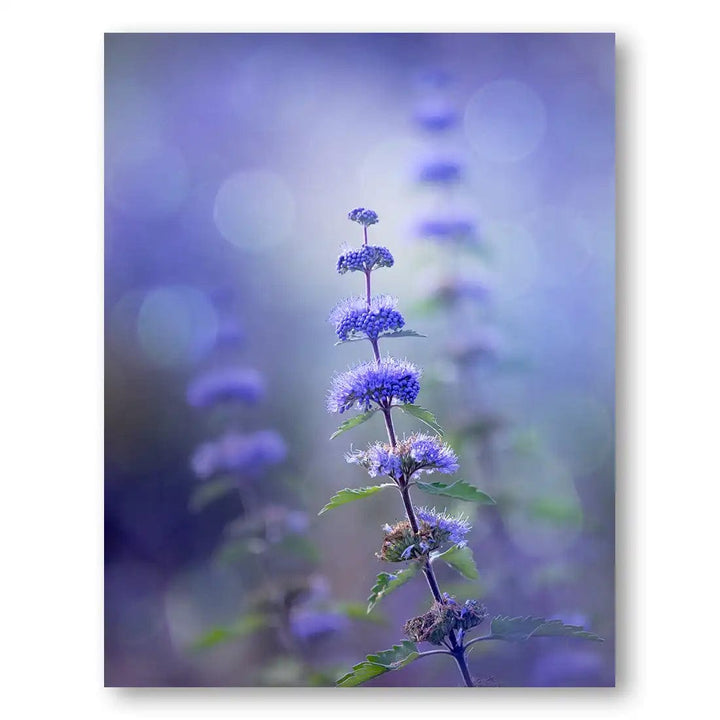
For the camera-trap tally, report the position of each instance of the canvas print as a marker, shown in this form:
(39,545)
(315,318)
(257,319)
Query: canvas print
(359,360)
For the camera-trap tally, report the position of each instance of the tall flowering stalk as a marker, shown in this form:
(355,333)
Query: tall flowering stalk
(385,384)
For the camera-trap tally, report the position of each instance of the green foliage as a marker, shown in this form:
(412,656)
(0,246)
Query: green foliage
(245,625)
(422,414)
(460,490)
(353,422)
(386,583)
(386,336)
(460,559)
(208,492)
(518,629)
(349,494)
(397,657)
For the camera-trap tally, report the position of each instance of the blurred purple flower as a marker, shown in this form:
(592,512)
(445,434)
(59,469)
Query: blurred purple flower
(225,385)
(237,453)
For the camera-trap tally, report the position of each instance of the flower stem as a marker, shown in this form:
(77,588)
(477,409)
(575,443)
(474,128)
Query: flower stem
(457,649)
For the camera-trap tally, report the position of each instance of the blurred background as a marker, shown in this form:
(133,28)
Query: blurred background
(231,162)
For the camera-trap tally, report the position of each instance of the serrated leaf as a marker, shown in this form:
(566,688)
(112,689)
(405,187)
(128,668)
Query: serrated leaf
(349,494)
(460,490)
(460,559)
(244,626)
(397,657)
(353,422)
(384,336)
(518,629)
(422,414)
(362,672)
(386,583)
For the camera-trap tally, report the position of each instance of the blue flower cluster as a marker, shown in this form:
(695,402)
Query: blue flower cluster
(453,528)
(378,459)
(363,216)
(226,384)
(238,453)
(440,171)
(385,382)
(353,317)
(417,454)
(364,259)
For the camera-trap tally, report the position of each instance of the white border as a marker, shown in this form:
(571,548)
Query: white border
(668,355)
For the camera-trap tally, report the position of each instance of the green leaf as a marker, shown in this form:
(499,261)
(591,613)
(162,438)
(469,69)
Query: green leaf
(385,336)
(361,673)
(460,559)
(358,611)
(353,422)
(422,414)
(460,490)
(349,494)
(518,629)
(208,492)
(246,625)
(386,583)
(397,657)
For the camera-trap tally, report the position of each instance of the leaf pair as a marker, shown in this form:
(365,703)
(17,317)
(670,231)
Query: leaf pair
(415,410)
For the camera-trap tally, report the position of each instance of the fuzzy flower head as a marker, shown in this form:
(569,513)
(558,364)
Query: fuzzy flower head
(452,529)
(384,383)
(230,384)
(434,531)
(419,453)
(363,216)
(364,259)
(238,453)
(353,317)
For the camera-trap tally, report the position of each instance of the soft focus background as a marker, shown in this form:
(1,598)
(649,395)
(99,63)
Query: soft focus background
(231,163)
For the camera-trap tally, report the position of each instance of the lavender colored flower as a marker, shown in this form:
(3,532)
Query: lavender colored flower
(306,624)
(364,259)
(353,317)
(453,229)
(385,382)
(378,459)
(459,288)
(419,453)
(453,528)
(436,118)
(363,216)
(234,452)
(441,172)
(225,385)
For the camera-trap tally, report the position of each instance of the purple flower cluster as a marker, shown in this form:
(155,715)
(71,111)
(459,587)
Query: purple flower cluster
(385,382)
(364,259)
(378,459)
(353,317)
(233,452)
(363,216)
(225,385)
(440,171)
(448,228)
(453,528)
(417,454)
